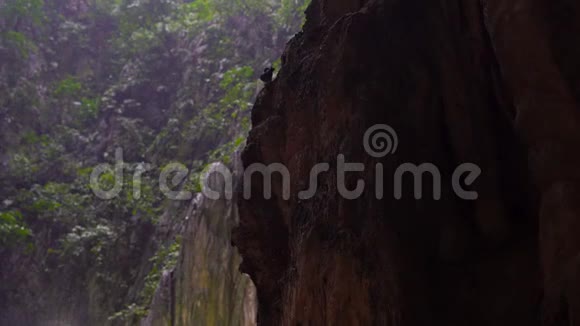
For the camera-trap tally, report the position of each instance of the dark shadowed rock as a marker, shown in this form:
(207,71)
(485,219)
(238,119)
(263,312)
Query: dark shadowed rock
(489,83)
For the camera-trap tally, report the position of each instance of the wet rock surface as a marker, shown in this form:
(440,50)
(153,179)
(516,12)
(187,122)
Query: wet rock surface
(206,288)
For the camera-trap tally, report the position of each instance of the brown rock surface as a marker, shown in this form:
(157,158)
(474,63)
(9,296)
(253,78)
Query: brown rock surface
(493,83)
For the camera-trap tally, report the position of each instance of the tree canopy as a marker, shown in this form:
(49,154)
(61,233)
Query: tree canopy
(166,81)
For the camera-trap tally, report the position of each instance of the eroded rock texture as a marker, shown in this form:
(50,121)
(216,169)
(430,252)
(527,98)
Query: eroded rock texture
(206,288)
(492,82)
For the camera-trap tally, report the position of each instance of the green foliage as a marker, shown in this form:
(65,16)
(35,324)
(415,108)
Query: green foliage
(236,75)
(165,80)
(145,206)
(193,183)
(69,87)
(291,12)
(142,24)
(15,10)
(19,42)
(132,313)
(32,138)
(223,153)
(202,10)
(88,241)
(165,259)
(89,108)
(238,86)
(22,166)
(13,230)
(60,202)
(244,7)
(30,162)
(72,92)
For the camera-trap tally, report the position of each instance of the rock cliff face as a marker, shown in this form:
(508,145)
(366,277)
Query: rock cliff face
(491,82)
(206,288)
(209,288)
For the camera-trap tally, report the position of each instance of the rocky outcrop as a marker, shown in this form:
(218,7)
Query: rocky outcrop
(493,83)
(206,287)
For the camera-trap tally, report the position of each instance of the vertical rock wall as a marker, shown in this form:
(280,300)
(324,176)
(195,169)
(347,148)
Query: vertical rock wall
(206,287)
(492,82)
